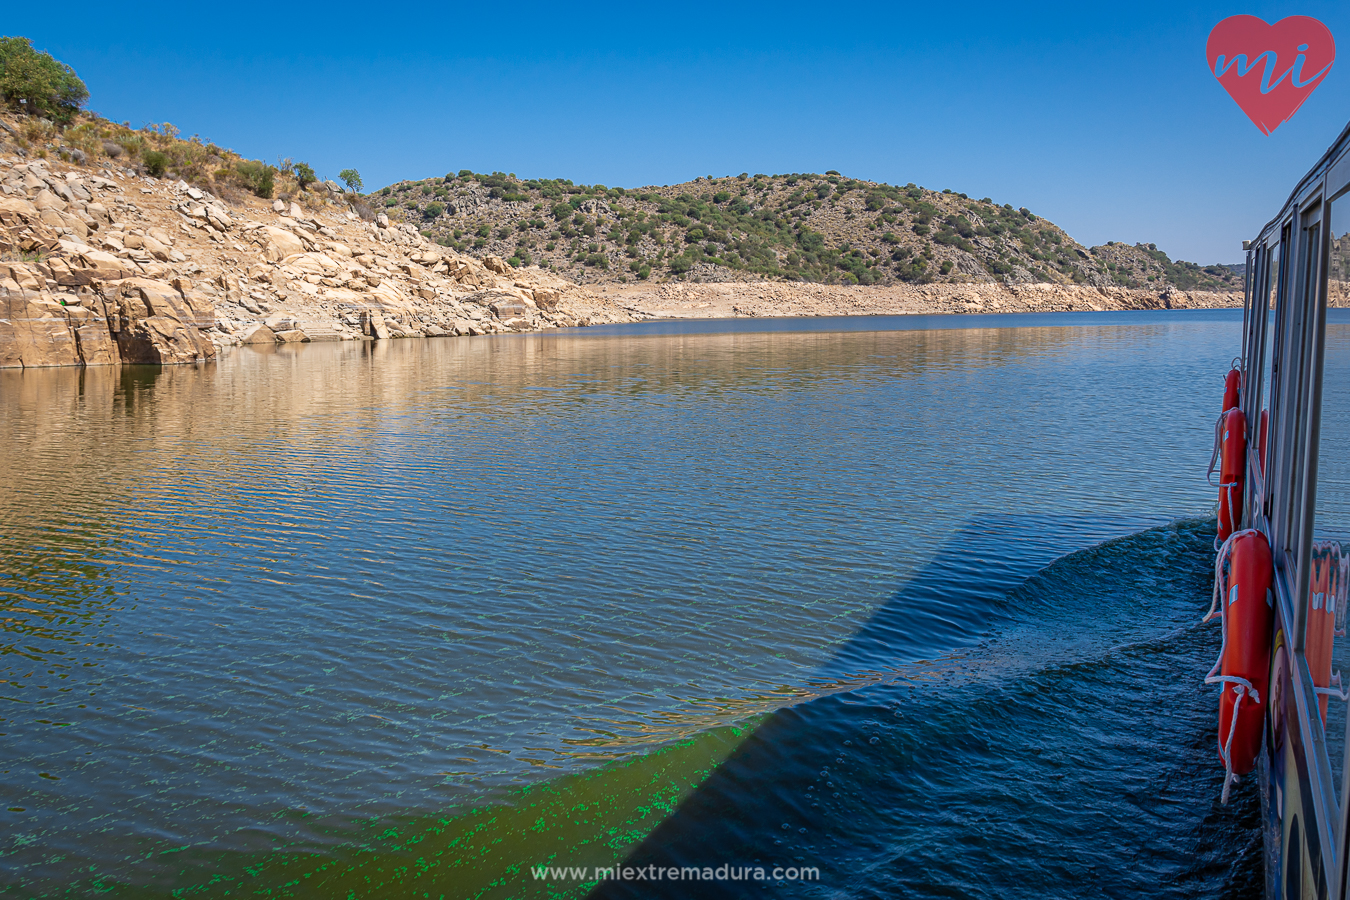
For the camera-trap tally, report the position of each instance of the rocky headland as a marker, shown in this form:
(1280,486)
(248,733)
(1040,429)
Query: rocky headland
(102,263)
(107,265)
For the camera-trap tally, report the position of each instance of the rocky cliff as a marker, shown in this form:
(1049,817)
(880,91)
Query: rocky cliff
(107,265)
(101,264)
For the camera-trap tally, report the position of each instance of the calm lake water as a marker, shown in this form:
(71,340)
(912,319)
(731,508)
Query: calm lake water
(914,600)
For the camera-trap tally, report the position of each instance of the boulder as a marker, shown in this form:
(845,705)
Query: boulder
(219,217)
(202,310)
(508,308)
(47,200)
(104,266)
(279,206)
(373,324)
(496,264)
(546,298)
(278,243)
(155,325)
(155,248)
(68,271)
(313,264)
(49,215)
(292,336)
(259,334)
(23,277)
(76,225)
(20,211)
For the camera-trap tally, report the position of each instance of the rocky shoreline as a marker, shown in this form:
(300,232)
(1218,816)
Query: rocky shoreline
(108,266)
(727,300)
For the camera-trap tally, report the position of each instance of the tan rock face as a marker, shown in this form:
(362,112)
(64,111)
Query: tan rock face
(546,298)
(508,308)
(34,330)
(93,341)
(155,325)
(117,251)
(103,265)
(38,328)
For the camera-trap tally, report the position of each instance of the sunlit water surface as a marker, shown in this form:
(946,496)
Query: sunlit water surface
(404,619)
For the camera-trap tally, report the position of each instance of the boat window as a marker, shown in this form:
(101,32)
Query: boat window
(1288,435)
(1325,643)
(1269,364)
(1249,304)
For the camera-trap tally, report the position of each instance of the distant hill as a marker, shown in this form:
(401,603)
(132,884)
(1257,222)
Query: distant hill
(802,227)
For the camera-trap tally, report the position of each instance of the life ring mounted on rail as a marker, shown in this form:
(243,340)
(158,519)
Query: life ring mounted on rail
(1245,606)
(1230,456)
(1232,386)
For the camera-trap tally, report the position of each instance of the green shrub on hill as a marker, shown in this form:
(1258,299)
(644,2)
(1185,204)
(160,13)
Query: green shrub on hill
(156,163)
(258,177)
(304,175)
(35,83)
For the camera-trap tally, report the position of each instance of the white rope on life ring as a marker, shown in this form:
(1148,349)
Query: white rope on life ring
(1241,686)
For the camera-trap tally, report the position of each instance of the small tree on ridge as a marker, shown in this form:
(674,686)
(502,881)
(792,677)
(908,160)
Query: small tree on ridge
(36,84)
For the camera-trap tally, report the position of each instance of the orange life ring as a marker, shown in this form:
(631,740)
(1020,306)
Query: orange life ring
(1243,669)
(1232,471)
(1321,634)
(1232,385)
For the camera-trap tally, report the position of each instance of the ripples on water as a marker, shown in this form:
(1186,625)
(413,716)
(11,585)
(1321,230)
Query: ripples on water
(404,619)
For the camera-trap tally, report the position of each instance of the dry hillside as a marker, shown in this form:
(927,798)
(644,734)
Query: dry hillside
(826,229)
(101,262)
(138,246)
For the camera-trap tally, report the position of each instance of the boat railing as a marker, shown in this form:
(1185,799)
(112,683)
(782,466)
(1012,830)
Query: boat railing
(1296,396)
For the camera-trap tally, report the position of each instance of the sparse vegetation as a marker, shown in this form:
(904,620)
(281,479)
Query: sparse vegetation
(155,162)
(304,175)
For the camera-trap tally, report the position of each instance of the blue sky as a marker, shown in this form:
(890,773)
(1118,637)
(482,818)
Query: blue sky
(1103,118)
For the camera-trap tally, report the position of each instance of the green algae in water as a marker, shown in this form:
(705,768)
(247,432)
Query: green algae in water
(591,819)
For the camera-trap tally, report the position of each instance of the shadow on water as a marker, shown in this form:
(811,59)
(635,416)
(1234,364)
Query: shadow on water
(993,730)
(595,818)
(996,729)
(1062,743)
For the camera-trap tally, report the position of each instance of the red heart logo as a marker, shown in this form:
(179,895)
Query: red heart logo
(1270,69)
